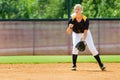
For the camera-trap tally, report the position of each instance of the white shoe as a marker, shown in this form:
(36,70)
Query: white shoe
(73,68)
(103,67)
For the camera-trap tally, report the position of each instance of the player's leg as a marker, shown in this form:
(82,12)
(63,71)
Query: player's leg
(75,39)
(93,50)
(97,57)
(74,59)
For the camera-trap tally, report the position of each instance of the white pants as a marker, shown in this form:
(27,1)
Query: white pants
(76,37)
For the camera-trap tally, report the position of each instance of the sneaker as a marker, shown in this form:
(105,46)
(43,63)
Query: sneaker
(73,68)
(102,67)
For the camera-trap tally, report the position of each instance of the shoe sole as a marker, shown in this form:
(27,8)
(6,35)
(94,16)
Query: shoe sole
(74,69)
(103,68)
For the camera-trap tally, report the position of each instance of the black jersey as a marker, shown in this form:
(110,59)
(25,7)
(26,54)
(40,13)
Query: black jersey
(79,27)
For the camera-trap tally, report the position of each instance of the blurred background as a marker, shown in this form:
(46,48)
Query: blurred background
(37,27)
(57,9)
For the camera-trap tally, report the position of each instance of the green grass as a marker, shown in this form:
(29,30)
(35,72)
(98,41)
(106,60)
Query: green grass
(55,59)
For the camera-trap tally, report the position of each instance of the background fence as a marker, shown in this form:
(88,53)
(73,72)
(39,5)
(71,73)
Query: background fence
(49,37)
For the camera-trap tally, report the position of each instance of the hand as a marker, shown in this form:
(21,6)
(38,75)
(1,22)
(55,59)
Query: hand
(68,31)
(82,39)
(81,46)
(70,26)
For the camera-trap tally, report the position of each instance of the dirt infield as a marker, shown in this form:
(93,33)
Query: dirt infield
(59,71)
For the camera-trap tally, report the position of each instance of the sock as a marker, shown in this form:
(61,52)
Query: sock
(74,59)
(98,60)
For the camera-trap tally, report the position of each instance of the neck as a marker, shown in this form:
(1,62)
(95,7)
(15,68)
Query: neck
(79,16)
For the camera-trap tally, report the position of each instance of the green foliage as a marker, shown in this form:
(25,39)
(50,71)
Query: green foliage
(57,9)
(54,9)
(116,12)
(101,8)
(43,5)
(89,10)
(105,10)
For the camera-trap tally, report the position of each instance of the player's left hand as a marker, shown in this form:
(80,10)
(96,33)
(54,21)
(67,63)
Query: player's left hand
(81,46)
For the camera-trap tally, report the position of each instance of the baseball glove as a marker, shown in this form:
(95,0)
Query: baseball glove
(81,46)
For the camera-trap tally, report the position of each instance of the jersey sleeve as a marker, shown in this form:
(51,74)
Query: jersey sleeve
(87,24)
(70,21)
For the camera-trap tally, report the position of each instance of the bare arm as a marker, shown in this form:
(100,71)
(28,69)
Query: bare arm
(86,28)
(85,33)
(68,31)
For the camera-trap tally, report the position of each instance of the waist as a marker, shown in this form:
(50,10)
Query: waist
(78,31)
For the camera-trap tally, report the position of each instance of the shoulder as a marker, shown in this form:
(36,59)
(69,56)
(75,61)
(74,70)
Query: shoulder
(84,17)
(73,16)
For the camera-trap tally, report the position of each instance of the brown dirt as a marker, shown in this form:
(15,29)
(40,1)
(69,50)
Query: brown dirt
(59,71)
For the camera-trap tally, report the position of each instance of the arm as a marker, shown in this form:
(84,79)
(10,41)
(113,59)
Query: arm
(86,28)
(85,33)
(69,29)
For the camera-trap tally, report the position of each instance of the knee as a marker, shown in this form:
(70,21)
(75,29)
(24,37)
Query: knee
(74,51)
(94,52)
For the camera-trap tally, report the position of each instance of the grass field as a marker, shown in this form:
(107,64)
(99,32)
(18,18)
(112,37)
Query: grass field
(58,67)
(55,59)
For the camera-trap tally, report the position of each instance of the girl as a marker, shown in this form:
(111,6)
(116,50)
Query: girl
(79,26)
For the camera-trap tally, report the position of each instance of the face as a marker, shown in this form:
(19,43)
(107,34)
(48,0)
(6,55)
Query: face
(78,10)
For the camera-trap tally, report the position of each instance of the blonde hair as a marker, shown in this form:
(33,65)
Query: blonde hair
(79,6)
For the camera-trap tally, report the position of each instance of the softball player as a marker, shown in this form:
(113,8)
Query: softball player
(79,26)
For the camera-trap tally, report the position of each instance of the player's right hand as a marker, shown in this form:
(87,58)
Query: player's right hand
(70,26)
